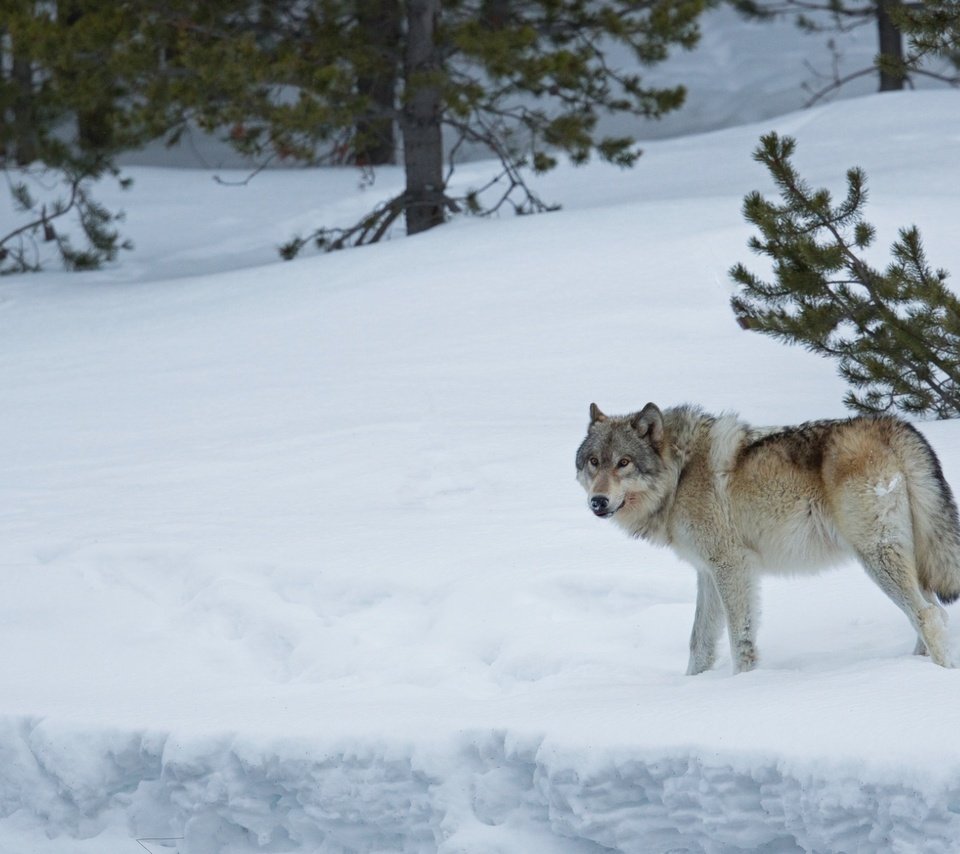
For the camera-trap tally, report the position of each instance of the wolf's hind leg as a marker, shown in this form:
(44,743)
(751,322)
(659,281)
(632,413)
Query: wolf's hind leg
(891,566)
(874,514)
(931,597)
(707,625)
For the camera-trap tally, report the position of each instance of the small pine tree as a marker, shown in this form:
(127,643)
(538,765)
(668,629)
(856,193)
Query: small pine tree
(896,333)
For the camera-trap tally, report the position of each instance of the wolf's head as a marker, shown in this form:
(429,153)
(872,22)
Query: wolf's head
(620,463)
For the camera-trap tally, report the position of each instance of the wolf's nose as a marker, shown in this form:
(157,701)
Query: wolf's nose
(599,503)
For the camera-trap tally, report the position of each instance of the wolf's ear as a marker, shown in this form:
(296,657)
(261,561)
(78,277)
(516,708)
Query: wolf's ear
(649,422)
(596,415)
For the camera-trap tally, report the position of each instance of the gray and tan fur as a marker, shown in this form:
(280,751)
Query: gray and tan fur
(736,501)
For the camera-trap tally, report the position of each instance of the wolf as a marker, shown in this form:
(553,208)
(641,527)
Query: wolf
(737,501)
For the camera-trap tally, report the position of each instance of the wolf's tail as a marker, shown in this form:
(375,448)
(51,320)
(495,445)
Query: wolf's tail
(936,528)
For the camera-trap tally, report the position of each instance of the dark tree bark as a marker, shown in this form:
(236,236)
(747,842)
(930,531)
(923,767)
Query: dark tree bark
(891,44)
(375,141)
(24,127)
(94,122)
(420,120)
(495,13)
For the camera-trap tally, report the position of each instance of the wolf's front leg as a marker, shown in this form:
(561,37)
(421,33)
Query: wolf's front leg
(707,625)
(737,590)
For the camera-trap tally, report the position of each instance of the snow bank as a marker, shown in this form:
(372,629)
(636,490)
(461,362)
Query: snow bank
(488,792)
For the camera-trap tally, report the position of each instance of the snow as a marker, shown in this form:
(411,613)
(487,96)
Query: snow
(294,558)
(882,490)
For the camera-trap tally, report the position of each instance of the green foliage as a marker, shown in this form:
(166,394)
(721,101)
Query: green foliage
(63,191)
(272,77)
(69,102)
(327,81)
(556,52)
(895,333)
(932,29)
(527,79)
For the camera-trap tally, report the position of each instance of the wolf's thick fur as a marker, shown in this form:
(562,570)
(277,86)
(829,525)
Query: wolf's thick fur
(737,501)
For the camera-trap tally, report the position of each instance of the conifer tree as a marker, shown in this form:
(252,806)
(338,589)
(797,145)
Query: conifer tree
(893,19)
(932,29)
(896,332)
(67,107)
(526,79)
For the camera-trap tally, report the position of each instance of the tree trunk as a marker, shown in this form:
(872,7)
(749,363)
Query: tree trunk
(24,129)
(375,142)
(4,113)
(891,44)
(95,132)
(495,14)
(420,120)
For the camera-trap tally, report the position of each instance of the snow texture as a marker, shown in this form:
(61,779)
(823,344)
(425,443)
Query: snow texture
(294,559)
(498,795)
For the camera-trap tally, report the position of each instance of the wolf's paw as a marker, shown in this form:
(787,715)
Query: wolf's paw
(745,658)
(933,632)
(699,665)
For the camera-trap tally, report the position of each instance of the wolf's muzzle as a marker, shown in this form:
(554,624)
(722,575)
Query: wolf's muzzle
(600,505)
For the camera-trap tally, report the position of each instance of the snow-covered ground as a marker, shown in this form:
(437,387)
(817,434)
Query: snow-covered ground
(293,558)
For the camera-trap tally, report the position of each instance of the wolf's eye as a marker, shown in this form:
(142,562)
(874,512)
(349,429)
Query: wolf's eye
(623,463)
(594,461)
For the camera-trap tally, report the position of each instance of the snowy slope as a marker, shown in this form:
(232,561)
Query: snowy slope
(294,559)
